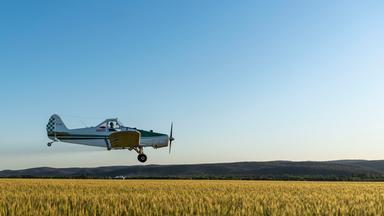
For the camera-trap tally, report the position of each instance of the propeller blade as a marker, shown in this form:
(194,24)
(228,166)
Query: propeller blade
(171,138)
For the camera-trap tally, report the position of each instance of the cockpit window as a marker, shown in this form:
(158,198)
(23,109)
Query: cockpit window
(102,127)
(113,125)
(110,125)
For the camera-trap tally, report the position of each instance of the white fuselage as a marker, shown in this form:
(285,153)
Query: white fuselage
(95,137)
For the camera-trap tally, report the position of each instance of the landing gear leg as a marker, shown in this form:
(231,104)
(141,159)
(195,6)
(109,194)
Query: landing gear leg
(141,157)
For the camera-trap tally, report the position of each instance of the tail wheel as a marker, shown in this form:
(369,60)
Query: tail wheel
(142,158)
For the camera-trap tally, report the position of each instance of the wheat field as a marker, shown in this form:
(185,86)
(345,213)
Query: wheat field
(188,197)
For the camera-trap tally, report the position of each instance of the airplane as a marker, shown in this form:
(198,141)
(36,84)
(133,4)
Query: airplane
(110,134)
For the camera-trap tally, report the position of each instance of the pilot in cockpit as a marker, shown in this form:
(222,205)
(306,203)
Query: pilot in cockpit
(111,126)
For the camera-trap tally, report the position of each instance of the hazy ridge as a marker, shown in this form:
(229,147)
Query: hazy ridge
(280,170)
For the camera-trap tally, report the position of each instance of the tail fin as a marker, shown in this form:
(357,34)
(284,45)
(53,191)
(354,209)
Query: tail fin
(55,124)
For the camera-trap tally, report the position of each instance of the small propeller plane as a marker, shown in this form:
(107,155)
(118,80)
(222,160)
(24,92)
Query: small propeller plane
(110,134)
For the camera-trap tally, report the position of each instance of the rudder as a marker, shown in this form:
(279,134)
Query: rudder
(55,124)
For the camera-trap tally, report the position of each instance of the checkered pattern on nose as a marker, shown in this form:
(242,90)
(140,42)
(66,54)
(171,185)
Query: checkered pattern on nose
(51,125)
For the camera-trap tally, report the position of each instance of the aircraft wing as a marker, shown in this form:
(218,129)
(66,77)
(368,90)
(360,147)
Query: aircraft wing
(124,139)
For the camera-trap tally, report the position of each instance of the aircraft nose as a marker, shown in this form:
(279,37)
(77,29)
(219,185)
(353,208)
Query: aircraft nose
(165,140)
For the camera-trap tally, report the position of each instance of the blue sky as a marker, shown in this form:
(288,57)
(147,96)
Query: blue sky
(242,81)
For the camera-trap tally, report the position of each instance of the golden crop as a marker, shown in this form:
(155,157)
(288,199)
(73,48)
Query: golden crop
(188,197)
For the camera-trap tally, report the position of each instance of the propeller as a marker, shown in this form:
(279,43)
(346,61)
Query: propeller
(171,138)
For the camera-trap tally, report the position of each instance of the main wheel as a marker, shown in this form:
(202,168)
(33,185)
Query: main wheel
(142,158)
(49,144)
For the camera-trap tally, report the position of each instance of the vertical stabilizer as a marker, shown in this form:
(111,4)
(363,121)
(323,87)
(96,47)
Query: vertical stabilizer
(55,124)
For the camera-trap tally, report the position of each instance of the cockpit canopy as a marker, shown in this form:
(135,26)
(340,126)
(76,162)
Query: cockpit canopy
(110,125)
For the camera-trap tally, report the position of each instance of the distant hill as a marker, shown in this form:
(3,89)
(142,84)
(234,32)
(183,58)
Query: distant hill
(347,170)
